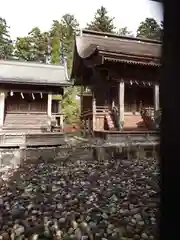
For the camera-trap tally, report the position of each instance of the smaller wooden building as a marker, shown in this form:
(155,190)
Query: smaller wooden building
(27,105)
(119,77)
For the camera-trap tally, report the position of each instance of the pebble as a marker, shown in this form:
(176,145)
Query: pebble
(144,236)
(80,198)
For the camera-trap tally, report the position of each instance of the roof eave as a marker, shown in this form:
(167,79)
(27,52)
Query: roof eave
(20,82)
(130,58)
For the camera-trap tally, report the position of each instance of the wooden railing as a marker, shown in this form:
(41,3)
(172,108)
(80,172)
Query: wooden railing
(100,114)
(157,117)
(57,122)
(99,111)
(151,118)
(134,107)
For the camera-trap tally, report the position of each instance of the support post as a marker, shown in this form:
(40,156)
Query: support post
(59,106)
(60,112)
(121,103)
(81,111)
(62,121)
(156,97)
(81,98)
(49,109)
(2,108)
(93,111)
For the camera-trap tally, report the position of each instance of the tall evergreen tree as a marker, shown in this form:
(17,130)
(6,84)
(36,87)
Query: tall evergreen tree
(32,47)
(55,55)
(23,48)
(62,35)
(55,36)
(150,29)
(39,42)
(6,47)
(124,32)
(70,28)
(101,22)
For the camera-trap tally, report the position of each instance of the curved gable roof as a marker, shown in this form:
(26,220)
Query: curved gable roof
(91,41)
(114,47)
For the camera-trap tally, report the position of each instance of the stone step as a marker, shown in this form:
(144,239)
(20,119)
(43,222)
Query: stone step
(132,120)
(25,121)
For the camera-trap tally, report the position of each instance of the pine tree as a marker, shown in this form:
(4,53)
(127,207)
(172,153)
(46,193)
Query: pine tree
(55,58)
(125,32)
(102,22)
(55,36)
(6,47)
(150,29)
(32,47)
(62,36)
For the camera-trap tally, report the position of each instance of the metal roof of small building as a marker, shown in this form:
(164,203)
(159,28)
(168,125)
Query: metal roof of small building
(17,72)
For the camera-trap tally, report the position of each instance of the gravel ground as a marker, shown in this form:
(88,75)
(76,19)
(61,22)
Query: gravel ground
(80,198)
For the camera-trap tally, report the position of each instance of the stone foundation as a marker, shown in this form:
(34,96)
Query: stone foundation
(15,157)
(12,158)
(127,152)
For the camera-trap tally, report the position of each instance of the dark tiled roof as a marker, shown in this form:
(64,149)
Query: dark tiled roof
(33,73)
(90,41)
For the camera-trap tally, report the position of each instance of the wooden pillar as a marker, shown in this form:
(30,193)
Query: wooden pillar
(60,112)
(121,103)
(49,110)
(93,111)
(81,98)
(2,108)
(59,106)
(156,96)
(62,121)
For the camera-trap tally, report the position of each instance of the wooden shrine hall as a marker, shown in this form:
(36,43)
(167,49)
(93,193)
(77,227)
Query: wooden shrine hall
(119,78)
(27,104)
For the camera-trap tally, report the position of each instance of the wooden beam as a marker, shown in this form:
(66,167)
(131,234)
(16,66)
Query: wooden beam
(28,88)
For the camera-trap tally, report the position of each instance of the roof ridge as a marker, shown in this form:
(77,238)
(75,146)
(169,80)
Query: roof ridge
(116,36)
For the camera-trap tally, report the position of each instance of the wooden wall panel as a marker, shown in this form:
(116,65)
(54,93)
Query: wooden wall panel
(16,103)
